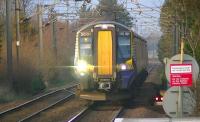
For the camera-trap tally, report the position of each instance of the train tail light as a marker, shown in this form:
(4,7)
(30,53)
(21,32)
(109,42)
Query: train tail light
(157,98)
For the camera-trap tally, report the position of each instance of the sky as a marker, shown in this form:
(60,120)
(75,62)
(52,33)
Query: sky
(146,13)
(147,16)
(148,23)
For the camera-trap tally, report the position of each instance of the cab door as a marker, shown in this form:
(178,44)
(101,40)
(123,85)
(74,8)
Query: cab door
(105,51)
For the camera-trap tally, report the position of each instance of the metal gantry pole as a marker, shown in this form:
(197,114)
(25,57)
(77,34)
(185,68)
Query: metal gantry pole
(9,39)
(176,32)
(54,38)
(175,41)
(39,7)
(177,38)
(17,10)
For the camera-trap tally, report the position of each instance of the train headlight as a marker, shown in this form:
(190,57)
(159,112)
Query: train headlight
(104,26)
(123,67)
(82,66)
(82,74)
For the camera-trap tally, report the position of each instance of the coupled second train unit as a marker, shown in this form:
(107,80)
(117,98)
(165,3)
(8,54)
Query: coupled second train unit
(109,57)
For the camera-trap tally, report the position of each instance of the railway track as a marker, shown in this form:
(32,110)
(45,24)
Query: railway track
(89,114)
(33,108)
(151,67)
(141,106)
(81,114)
(118,114)
(99,113)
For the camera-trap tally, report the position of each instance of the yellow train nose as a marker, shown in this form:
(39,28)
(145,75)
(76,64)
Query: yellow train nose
(104,54)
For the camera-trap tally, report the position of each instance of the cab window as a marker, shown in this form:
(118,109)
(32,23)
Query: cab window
(123,47)
(86,48)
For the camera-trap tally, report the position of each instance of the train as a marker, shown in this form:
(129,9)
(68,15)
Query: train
(110,59)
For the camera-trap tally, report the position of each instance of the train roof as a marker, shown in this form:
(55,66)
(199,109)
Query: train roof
(110,22)
(103,22)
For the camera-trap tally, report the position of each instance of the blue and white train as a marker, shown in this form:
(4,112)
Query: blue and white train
(109,59)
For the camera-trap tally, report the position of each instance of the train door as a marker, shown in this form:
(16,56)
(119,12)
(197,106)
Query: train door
(104,52)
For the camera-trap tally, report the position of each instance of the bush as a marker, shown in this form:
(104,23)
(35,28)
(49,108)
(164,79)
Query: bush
(4,99)
(163,79)
(7,97)
(27,80)
(37,85)
(59,77)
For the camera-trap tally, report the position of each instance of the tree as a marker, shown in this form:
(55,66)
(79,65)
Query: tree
(184,15)
(164,47)
(1,25)
(27,7)
(107,10)
(2,9)
(111,10)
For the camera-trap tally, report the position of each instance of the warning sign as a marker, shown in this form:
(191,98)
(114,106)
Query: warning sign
(180,74)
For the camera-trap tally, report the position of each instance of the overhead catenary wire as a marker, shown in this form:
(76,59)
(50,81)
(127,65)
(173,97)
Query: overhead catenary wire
(144,10)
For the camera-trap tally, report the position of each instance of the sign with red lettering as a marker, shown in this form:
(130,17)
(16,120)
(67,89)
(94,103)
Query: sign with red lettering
(180,74)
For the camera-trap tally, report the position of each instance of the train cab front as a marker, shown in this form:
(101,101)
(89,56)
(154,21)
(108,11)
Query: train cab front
(97,62)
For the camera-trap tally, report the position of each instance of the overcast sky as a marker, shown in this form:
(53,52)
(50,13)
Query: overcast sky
(146,13)
(147,19)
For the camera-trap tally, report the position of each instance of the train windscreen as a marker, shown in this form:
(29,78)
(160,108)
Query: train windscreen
(86,48)
(123,46)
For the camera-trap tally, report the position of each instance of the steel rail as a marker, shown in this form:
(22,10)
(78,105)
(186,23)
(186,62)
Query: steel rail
(79,115)
(118,113)
(28,118)
(3,113)
(151,68)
